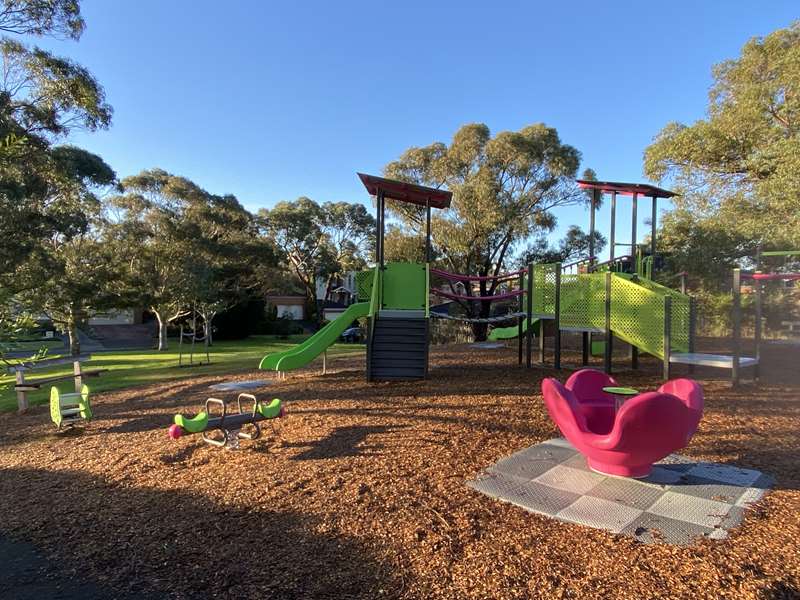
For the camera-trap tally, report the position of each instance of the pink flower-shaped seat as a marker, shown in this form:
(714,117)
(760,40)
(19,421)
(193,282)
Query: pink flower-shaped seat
(627,442)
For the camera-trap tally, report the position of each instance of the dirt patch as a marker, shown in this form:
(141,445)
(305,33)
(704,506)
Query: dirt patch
(362,494)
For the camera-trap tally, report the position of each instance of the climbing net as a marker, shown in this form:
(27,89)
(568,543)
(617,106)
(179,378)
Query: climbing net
(460,278)
(490,320)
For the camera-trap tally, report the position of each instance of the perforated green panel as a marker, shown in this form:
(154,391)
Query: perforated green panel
(637,315)
(583,300)
(679,333)
(544,289)
(364,284)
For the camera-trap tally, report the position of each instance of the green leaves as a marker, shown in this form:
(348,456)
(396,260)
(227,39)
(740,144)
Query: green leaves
(504,189)
(741,165)
(54,18)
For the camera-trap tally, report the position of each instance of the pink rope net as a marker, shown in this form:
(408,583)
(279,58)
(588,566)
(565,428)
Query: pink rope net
(458,277)
(464,297)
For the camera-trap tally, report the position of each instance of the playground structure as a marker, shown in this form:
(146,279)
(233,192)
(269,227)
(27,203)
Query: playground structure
(229,425)
(617,299)
(22,385)
(70,409)
(758,278)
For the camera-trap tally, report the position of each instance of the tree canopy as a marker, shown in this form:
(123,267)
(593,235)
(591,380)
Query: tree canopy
(740,166)
(504,191)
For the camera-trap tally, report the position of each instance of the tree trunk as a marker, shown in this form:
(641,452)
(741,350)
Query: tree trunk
(72,332)
(208,319)
(480,330)
(162,331)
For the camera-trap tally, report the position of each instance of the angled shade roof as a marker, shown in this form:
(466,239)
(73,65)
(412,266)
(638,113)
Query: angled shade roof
(626,189)
(406,192)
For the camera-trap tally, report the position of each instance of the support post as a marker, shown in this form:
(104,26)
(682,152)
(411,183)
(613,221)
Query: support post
(634,218)
(692,329)
(382,221)
(759,315)
(609,336)
(76,371)
(737,325)
(653,221)
(595,200)
(180,346)
(612,232)
(667,334)
(428,230)
(585,348)
(22,397)
(324,362)
(529,331)
(520,308)
(557,320)
(684,282)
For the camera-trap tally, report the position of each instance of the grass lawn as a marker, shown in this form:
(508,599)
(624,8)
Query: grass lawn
(138,367)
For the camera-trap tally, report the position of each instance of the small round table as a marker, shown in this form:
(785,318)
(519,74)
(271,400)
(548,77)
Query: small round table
(621,394)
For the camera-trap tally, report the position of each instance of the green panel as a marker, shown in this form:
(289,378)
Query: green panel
(364,284)
(194,424)
(598,348)
(321,340)
(679,332)
(405,286)
(583,298)
(55,406)
(544,289)
(271,410)
(637,315)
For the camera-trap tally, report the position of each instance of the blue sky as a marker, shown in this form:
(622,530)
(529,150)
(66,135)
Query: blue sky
(270,101)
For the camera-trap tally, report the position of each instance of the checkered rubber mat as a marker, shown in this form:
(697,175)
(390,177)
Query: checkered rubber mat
(679,501)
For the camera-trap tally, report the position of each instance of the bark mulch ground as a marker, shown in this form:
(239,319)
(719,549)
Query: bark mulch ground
(362,493)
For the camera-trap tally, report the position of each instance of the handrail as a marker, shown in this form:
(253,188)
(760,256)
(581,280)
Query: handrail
(375,296)
(589,259)
(460,277)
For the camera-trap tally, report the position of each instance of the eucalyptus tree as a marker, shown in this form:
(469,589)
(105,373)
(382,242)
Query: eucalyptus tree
(504,191)
(185,250)
(738,169)
(73,269)
(319,240)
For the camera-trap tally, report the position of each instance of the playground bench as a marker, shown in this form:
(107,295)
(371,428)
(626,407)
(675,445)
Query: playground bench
(22,387)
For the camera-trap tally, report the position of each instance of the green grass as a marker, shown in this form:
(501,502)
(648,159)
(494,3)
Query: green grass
(139,367)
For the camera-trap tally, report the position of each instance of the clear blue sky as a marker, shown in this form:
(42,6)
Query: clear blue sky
(273,100)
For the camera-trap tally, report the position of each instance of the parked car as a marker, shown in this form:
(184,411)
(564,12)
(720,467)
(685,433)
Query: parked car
(352,335)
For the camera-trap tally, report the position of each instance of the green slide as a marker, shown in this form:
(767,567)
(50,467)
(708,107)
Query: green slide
(509,333)
(304,353)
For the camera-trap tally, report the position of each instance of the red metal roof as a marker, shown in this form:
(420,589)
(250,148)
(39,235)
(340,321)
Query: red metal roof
(626,189)
(406,192)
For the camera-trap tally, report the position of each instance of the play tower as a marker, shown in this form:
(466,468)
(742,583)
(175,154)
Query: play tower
(398,318)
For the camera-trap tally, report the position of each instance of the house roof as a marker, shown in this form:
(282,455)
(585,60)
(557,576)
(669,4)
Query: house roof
(626,189)
(406,192)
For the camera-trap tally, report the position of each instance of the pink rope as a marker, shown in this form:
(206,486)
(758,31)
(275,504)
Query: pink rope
(772,276)
(462,297)
(457,277)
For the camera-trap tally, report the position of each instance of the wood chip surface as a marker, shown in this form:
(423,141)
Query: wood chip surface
(361,493)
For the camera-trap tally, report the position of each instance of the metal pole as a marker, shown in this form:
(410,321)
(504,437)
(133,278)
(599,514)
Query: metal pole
(634,217)
(595,199)
(737,325)
(692,329)
(667,334)
(382,202)
(759,310)
(529,331)
(653,220)
(585,348)
(557,321)
(521,308)
(612,234)
(428,230)
(608,348)
(378,226)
